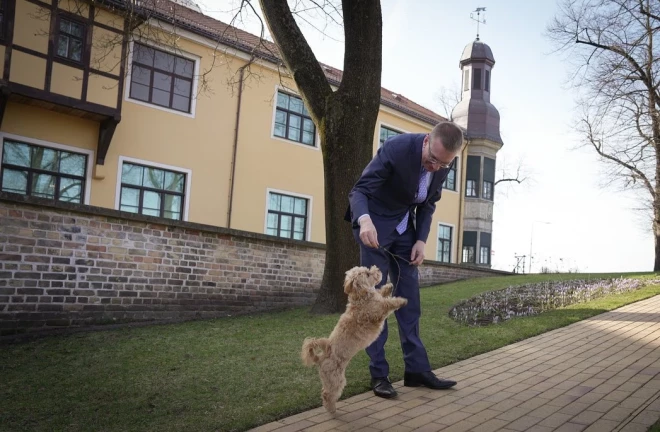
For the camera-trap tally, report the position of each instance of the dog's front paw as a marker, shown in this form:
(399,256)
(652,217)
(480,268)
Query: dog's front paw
(401,302)
(386,290)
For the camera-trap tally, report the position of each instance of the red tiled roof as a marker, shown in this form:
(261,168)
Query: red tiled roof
(216,30)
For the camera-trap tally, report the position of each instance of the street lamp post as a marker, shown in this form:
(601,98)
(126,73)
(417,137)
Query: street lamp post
(531,238)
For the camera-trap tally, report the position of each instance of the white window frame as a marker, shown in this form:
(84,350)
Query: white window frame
(317,137)
(194,91)
(489,254)
(88,152)
(388,126)
(457,180)
(452,258)
(310,200)
(186,171)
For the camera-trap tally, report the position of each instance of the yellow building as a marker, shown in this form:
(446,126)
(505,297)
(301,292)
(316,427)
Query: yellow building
(147,117)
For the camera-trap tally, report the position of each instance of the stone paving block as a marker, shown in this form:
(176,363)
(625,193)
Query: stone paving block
(490,426)
(387,412)
(647,417)
(570,427)
(544,411)
(563,400)
(448,409)
(618,413)
(513,413)
(523,423)
(602,426)
(632,402)
(556,420)
(634,427)
(462,426)
(505,405)
(455,417)
(419,421)
(587,417)
(327,425)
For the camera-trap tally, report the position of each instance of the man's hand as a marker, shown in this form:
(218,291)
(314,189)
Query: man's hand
(417,254)
(368,233)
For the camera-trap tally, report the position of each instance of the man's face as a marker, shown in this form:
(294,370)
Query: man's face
(434,155)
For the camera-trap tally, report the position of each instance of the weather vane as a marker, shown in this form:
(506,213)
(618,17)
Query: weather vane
(477,19)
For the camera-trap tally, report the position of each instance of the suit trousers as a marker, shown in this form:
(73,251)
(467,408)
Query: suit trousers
(405,278)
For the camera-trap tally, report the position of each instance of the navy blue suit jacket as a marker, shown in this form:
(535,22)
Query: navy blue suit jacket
(387,187)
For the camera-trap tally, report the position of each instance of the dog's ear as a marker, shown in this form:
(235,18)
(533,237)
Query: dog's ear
(349,280)
(375,274)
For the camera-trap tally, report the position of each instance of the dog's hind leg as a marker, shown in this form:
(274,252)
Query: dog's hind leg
(334,380)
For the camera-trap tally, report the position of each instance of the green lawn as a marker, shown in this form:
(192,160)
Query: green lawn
(232,373)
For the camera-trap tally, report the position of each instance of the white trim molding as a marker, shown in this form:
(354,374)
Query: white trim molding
(186,171)
(195,84)
(310,199)
(72,149)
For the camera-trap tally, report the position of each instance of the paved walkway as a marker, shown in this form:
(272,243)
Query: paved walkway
(601,374)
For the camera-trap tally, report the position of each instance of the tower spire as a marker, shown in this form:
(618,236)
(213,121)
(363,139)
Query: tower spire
(478,18)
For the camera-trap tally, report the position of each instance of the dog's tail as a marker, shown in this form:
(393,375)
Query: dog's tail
(315,350)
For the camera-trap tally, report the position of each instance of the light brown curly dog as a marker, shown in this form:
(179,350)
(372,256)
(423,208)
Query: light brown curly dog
(356,329)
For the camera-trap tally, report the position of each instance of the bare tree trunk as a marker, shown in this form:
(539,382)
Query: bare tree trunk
(345,118)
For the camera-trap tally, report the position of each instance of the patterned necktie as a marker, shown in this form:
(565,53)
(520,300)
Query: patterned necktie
(419,197)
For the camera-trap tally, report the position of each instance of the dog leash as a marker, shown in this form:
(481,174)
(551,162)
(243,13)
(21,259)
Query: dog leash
(395,256)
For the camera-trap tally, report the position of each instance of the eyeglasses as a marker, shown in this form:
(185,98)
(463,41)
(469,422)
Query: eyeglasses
(432,159)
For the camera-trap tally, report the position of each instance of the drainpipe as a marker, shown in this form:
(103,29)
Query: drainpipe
(235,146)
(461,209)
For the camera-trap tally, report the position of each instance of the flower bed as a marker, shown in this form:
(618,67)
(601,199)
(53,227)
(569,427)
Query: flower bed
(497,306)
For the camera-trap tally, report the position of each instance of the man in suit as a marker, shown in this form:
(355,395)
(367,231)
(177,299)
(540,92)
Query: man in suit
(391,207)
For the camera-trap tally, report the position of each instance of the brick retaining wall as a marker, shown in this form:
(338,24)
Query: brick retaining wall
(64,265)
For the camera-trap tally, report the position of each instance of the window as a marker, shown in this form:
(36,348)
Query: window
(488,191)
(468,254)
(472,176)
(292,120)
(70,39)
(444,243)
(162,79)
(489,178)
(450,181)
(487,83)
(287,216)
(485,241)
(469,246)
(386,133)
(484,256)
(476,79)
(152,191)
(471,188)
(43,172)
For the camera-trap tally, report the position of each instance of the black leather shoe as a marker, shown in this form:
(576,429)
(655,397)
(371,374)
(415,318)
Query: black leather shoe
(383,387)
(427,379)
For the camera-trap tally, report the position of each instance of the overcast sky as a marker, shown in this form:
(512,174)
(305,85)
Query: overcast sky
(577,223)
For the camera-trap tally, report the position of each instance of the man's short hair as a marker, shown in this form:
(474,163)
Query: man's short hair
(450,135)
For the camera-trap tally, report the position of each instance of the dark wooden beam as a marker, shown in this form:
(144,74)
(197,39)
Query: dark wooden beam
(106,131)
(4,98)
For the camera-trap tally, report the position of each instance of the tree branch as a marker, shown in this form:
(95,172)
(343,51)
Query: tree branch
(298,56)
